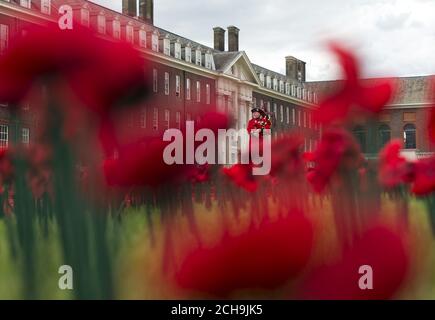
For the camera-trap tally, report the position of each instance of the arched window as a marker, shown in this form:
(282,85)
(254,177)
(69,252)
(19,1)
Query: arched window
(409,136)
(384,135)
(360,135)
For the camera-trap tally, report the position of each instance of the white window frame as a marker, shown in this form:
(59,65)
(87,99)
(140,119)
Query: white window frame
(156,119)
(167,80)
(198,57)
(198,91)
(116,29)
(142,38)
(188,54)
(167,118)
(25,3)
(85,17)
(207,94)
(177,85)
(177,50)
(101,24)
(4,37)
(166,46)
(155,80)
(188,89)
(178,119)
(46,6)
(155,42)
(4,136)
(288,115)
(129,33)
(25,135)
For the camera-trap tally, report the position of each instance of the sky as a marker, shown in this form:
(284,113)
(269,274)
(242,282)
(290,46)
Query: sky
(390,37)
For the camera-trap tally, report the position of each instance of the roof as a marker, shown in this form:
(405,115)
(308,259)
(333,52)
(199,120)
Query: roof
(409,90)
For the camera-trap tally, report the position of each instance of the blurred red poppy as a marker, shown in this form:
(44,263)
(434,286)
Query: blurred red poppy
(241,175)
(261,258)
(287,160)
(423,182)
(380,248)
(369,96)
(337,150)
(394,170)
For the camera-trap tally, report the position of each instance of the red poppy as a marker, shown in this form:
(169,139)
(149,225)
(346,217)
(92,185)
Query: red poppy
(142,164)
(337,150)
(423,182)
(393,168)
(367,96)
(241,175)
(261,258)
(382,249)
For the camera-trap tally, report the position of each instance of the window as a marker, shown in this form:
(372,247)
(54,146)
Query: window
(177,85)
(188,117)
(299,118)
(188,89)
(25,3)
(208,61)
(101,22)
(167,118)
(4,136)
(142,38)
(116,29)
(4,37)
(188,54)
(315,97)
(155,41)
(198,57)
(84,17)
(268,82)
(384,135)
(287,88)
(293,90)
(409,135)
(281,86)
(166,83)
(178,119)
(288,115)
(281,111)
(294,116)
(254,102)
(207,93)
(25,135)
(298,92)
(177,50)
(129,33)
(198,91)
(45,6)
(167,46)
(261,103)
(305,119)
(262,79)
(275,84)
(156,119)
(155,80)
(309,120)
(143,118)
(304,94)
(360,136)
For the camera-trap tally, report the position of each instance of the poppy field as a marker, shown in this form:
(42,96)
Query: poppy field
(90,210)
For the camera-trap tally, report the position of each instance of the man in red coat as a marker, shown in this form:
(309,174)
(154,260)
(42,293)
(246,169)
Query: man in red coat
(256,128)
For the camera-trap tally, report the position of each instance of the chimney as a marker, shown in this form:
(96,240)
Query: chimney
(233,38)
(129,8)
(219,38)
(295,68)
(146,11)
